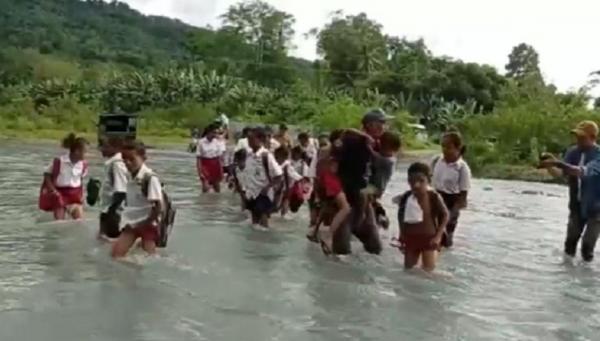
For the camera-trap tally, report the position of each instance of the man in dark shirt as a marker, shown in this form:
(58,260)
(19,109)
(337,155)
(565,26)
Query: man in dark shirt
(585,151)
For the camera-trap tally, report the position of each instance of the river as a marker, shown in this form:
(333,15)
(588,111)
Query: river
(506,278)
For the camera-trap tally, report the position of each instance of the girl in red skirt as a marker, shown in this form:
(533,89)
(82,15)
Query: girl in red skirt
(423,217)
(210,151)
(62,189)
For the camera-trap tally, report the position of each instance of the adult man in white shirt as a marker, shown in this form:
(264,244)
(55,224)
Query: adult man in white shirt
(262,174)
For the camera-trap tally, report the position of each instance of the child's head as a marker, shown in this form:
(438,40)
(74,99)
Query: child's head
(390,144)
(304,139)
(298,153)
(323,140)
(257,138)
(134,156)
(211,131)
(77,146)
(282,154)
(245,132)
(268,132)
(239,158)
(283,128)
(452,146)
(111,146)
(419,177)
(335,137)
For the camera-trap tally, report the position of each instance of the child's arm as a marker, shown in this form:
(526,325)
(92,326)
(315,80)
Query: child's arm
(443,217)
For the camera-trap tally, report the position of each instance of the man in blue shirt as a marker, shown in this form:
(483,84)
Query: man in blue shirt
(581,166)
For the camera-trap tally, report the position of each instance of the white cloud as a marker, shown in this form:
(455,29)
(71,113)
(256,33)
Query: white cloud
(563,32)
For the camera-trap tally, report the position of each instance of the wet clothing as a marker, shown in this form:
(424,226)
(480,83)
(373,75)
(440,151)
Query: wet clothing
(210,169)
(383,169)
(68,181)
(417,229)
(260,205)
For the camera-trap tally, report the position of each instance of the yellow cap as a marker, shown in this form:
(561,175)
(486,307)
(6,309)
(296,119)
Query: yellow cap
(586,128)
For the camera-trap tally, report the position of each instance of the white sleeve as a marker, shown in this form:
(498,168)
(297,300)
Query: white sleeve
(465,178)
(293,174)
(120,177)
(154,189)
(274,167)
(312,169)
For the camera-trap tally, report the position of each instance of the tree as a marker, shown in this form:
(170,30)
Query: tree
(354,47)
(523,62)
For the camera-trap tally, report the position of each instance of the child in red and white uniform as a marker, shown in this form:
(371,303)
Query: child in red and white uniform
(144,203)
(62,190)
(210,152)
(301,190)
(291,180)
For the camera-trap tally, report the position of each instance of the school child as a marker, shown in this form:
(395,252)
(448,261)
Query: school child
(237,174)
(301,190)
(452,180)
(62,188)
(335,208)
(148,214)
(262,175)
(242,143)
(210,151)
(290,179)
(114,188)
(271,144)
(422,217)
(309,145)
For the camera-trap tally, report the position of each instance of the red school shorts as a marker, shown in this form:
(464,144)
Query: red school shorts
(330,184)
(418,243)
(210,169)
(146,233)
(70,195)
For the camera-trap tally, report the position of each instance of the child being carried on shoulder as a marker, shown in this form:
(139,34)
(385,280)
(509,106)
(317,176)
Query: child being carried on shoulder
(422,217)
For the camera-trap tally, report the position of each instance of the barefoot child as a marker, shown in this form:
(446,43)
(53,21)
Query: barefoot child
(62,189)
(262,175)
(422,216)
(452,180)
(238,182)
(144,203)
(210,151)
(114,188)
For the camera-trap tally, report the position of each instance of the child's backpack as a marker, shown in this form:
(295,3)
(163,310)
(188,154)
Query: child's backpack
(167,215)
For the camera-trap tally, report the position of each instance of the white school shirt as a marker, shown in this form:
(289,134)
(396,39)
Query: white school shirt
(211,149)
(70,175)
(413,213)
(243,144)
(273,145)
(311,149)
(255,176)
(138,206)
(115,182)
(451,178)
(301,168)
(292,174)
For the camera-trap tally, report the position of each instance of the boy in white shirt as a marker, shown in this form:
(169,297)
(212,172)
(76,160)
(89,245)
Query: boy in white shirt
(290,179)
(114,188)
(262,175)
(144,203)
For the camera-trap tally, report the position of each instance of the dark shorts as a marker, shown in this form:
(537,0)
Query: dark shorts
(260,205)
(418,243)
(109,225)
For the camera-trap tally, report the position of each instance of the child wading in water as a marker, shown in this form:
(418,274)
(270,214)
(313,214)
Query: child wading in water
(237,175)
(144,203)
(262,175)
(452,180)
(422,216)
(114,188)
(209,152)
(62,189)
(290,179)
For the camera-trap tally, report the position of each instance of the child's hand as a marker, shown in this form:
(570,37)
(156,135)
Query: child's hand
(436,241)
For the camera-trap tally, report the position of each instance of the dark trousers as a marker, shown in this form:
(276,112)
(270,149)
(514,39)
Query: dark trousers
(363,226)
(588,231)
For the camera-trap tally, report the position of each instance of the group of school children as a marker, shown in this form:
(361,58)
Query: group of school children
(342,177)
(134,205)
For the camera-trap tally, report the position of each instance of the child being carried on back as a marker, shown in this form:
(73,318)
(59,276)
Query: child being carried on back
(423,217)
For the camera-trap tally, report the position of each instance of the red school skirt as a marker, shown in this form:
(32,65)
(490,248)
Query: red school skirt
(418,243)
(70,195)
(210,169)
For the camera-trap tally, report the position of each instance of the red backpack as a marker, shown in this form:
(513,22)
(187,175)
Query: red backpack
(48,201)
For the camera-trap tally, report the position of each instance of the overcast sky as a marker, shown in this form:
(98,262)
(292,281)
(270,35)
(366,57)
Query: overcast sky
(565,32)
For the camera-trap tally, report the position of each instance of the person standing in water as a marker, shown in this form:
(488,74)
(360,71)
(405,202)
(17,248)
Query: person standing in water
(583,223)
(452,180)
(309,146)
(62,189)
(114,188)
(144,203)
(210,151)
(283,136)
(242,143)
(422,217)
(262,175)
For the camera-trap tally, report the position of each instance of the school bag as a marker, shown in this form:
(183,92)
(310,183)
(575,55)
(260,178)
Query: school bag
(167,215)
(47,200)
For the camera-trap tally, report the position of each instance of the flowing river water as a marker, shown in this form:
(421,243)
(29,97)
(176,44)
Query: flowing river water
(506,279)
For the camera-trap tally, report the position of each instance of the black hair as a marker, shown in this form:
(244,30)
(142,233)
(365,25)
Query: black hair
(211,128)
(73,143)
(260,134)
(246,131)
(390,141)
(137,147)
(268,130)
(298,151)
(456,139)
(303,136)
(420,168)
(335,135)
(282,152)
(283,126)
(113,141)
(240,155)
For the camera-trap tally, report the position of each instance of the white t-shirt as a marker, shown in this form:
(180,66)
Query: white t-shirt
(70,175)
(273,145)
(451,178)
(115,180)
(311,149)
(138,205)
(301,168)
(255,176)
(212,149)
(292,174)
(413,213)
(243,144)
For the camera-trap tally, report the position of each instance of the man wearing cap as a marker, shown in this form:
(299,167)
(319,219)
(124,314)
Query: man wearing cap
(355,168)
(581,166)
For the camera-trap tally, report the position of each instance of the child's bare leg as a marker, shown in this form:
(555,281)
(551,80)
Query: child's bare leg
(411,258)
(264,220)
(123,244)
(217,187)
(339,218)
(149,246)
(77,212)
(59,213)
(429,260)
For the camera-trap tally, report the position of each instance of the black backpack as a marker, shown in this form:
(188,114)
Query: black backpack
(167,215)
